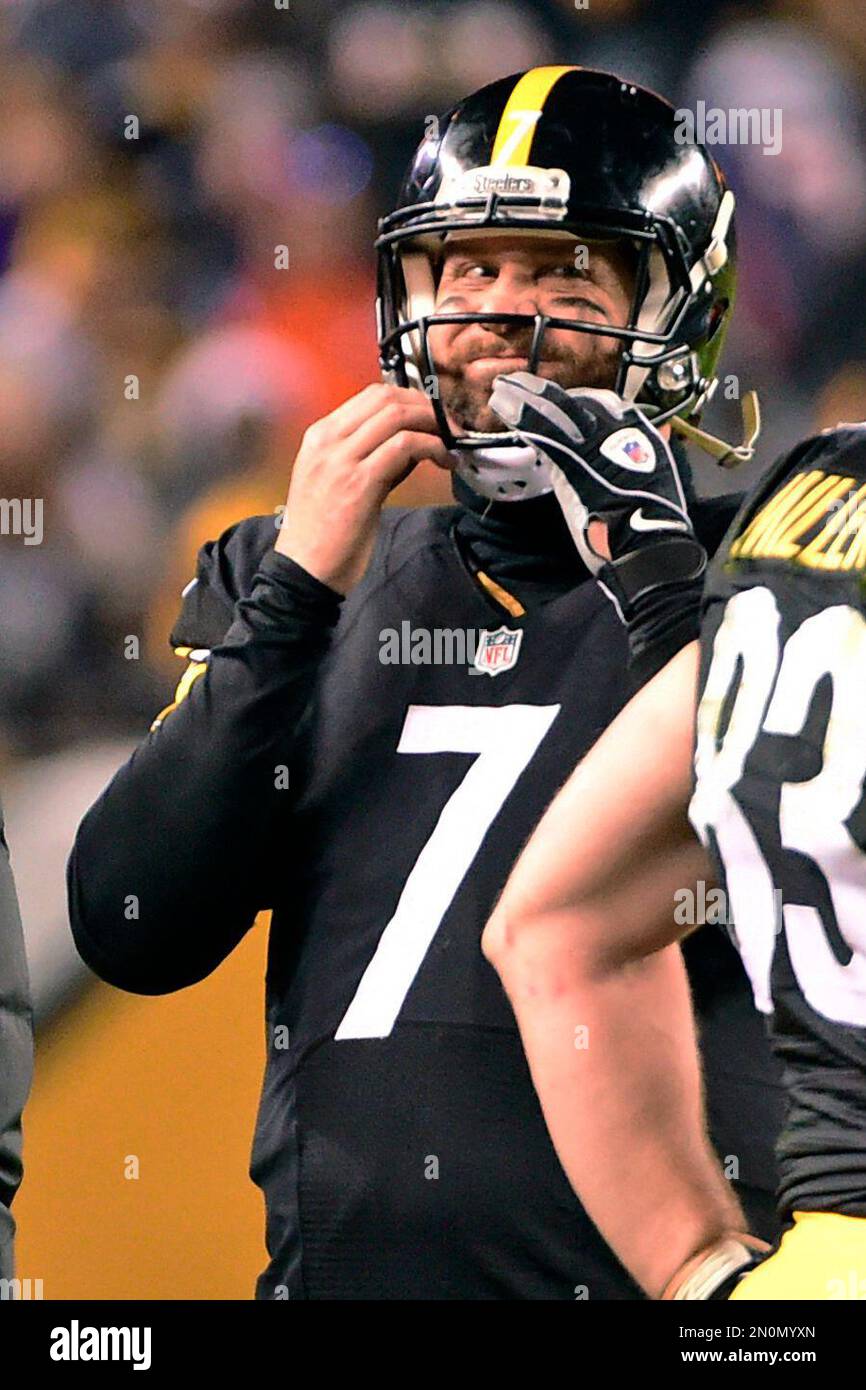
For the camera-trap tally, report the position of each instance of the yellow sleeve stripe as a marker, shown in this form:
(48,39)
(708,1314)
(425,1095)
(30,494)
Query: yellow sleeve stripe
(191,674)
(522,113)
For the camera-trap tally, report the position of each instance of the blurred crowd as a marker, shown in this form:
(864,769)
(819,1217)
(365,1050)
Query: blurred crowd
(160,356)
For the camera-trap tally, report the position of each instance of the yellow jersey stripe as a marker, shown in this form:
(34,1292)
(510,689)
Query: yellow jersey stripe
(512,605)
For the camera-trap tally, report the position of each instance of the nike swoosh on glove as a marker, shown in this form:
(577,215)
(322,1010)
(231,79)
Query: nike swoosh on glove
(606,461)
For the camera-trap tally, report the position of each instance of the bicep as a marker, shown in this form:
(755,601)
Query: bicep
(615,844)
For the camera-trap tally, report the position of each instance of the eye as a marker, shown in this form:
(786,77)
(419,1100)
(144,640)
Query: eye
(568,271)
(477,270)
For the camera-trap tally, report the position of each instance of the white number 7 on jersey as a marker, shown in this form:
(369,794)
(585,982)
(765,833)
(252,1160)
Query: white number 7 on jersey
(504,739)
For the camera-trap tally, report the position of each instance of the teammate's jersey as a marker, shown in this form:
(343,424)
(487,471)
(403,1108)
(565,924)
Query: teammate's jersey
(780,768)
(400,1144)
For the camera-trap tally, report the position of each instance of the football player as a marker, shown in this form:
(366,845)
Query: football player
(322,762)
(583,933)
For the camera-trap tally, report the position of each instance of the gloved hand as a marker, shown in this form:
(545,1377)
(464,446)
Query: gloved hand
(607,461)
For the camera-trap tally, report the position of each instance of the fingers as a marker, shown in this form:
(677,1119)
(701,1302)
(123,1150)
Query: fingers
(576,517)
(608,400)
(516,395)
(526,381)
(396,415)
(396,458)
(349,416)
(525,402)
(388,430)
(572,436)
(508,397)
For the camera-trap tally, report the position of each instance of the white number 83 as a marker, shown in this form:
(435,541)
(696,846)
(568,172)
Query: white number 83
(774,697)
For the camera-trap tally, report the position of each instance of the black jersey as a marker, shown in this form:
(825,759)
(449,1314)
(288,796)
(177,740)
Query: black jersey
(371,772)
(780,768)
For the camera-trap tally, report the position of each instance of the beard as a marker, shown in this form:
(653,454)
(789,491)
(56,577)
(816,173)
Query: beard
(465,385)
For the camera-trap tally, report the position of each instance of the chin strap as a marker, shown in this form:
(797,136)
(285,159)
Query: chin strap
(503,472)
(715,1273)
(726,455)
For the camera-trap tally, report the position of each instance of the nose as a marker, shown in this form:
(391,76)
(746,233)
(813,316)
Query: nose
(509,293)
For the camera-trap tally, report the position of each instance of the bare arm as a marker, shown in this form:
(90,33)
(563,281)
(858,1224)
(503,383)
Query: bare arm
(584,940)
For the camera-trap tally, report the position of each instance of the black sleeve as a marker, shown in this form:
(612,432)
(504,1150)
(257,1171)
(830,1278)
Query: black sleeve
(667,616)
(16,1052)
(172,863)
(665,623)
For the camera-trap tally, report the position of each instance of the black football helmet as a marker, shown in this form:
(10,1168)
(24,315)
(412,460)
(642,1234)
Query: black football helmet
(570,150)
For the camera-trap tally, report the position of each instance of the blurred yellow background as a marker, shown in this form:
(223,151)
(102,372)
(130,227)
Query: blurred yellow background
(173,1082)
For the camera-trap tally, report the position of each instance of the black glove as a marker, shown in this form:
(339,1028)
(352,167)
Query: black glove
(607,462)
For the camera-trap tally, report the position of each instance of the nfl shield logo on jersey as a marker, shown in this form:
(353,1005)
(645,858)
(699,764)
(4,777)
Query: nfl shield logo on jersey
(497,651)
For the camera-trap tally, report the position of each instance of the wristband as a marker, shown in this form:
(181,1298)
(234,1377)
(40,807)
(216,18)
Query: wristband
(677,560)
(717,1271)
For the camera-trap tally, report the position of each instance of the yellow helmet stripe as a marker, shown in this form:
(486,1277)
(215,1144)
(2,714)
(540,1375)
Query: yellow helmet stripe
(521,115)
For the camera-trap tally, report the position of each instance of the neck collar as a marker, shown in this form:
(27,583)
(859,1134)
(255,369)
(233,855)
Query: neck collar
(533,533)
